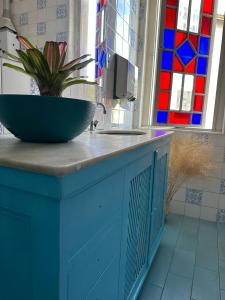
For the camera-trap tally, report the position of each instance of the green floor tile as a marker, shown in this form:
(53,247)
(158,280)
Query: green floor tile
(160,266)
(183,263)
(222,274)
(177,288)
(150,292)
(205,285)
(222,295)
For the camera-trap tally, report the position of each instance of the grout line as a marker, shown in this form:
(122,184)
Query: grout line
(172,256)
(196,248)
(218,260)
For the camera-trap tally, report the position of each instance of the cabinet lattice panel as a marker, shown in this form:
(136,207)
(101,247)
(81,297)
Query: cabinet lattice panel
(137,240)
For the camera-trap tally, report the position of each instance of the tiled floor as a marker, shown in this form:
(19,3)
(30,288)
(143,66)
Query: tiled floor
(190,263)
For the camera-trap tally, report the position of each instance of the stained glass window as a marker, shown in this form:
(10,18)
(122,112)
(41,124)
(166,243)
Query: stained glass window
(100,55)
(184,54)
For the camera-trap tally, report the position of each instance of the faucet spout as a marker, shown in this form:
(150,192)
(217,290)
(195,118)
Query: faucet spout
(103,107)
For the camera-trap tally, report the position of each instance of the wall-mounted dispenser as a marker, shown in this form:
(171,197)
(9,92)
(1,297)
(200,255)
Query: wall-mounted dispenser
(122,79)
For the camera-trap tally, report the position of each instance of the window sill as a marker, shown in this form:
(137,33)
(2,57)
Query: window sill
(184,129)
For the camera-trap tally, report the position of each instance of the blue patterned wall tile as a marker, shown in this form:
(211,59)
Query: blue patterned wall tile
(61,36)
(220,217)
(222,186)
(24,19)
(133,5)
(1,129)
(41,4)
(142,10)
(41,28)
(61,11)
(34,88)
(132,38)
(202,138)
(193,196)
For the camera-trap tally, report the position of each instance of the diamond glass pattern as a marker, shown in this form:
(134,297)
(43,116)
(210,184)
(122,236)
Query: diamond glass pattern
(186,53)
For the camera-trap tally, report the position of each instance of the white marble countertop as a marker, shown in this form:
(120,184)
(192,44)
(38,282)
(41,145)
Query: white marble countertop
(62,159)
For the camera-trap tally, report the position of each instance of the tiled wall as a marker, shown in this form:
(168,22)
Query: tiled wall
(41,20)
(204,197)
(124,32)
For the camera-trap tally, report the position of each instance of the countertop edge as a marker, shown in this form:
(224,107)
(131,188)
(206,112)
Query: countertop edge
(66,170)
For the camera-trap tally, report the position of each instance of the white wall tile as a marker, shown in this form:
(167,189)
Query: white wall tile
(211,184)
(221,201)
(210,199)
(180,195)
(177,207)
(208,213)
(192,210)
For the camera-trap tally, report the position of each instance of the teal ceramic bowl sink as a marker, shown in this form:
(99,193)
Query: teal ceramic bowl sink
(44,119)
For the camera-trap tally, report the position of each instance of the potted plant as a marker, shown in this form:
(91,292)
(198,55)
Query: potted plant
(48,117)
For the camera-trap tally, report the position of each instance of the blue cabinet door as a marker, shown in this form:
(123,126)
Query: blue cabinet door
(158,199)
(136,227)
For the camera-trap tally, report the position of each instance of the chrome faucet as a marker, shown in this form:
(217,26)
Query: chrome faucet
(94,123)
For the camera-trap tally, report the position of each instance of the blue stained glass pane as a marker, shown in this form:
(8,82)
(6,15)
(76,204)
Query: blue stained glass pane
(102,59)
(204,45)
(162,117)
(202,65)
(98,7)
(168,41)
(97,54)
(96,71)
(167,60)
(196,119)
(186,52)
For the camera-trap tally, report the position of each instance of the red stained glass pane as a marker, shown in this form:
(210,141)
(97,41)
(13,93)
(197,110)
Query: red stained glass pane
(207,6)
(163,102)
(179,118)
(170,20)
(171,2)
(194,40)
(100,72)
(103,2)
(198,103)
(180,37)
(165,80)
(206,25)
(191,66)
(177,66)
(200,84)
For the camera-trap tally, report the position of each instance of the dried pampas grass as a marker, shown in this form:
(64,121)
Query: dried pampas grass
(188,158)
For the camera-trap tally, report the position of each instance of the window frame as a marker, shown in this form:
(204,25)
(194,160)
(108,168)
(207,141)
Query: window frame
(160,50)
(151,84)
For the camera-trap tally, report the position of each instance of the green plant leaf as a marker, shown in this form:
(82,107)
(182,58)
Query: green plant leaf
(23,41)
(25,60)
(39,62)
(16,68)
(77,67)
(73,62)
(74,82)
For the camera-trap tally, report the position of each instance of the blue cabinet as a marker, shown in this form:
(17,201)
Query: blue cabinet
(88,235)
